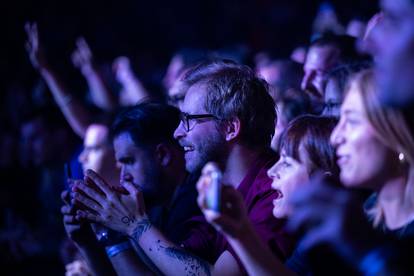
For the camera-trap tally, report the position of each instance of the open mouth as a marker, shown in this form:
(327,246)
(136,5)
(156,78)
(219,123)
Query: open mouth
(279,195)
(188,149)
(342,160)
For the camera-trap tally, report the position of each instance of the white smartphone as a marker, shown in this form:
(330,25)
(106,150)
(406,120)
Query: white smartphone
(213,194)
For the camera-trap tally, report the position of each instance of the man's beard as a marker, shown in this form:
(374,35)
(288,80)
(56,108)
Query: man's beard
(211,149)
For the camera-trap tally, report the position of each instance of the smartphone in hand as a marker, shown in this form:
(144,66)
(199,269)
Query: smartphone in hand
(213,192)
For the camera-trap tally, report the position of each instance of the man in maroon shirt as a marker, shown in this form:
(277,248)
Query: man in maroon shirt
(228,117)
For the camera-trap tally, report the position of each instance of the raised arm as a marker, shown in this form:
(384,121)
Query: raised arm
(133,91)
(75,113)
(82,58)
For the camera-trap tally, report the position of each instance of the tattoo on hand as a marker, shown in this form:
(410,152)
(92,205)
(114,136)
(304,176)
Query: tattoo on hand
(128,220)
(142,227)
(193,264)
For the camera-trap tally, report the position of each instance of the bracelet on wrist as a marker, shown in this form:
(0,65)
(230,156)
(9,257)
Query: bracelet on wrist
(114,250)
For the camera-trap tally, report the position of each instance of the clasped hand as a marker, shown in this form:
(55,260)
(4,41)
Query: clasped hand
(118,208)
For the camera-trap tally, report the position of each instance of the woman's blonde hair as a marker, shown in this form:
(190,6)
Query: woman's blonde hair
(392,128)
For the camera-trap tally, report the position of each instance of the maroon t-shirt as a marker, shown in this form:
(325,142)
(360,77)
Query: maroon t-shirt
(258,196)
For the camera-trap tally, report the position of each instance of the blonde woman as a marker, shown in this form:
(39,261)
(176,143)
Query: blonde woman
(375,147)
(375,150)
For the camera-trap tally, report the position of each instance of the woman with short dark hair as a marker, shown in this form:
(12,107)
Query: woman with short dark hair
(305,150)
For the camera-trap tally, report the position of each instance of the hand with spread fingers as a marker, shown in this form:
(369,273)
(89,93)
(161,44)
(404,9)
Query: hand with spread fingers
(82,56)
(108,207)
(232,219)
(34,47)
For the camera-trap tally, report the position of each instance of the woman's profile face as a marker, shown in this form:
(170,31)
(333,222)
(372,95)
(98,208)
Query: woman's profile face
(362,157)
(288,176)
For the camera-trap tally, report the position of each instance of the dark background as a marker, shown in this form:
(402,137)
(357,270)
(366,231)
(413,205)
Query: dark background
(150,31)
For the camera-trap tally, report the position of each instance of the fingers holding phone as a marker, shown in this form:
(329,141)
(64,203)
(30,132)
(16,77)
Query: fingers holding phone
(222,205)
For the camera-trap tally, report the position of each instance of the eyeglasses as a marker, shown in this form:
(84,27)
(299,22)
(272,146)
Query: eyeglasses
(190,120)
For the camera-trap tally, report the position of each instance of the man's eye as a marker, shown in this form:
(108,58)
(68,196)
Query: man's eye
(286,164)
(332,105)
(391,20)
(126,161)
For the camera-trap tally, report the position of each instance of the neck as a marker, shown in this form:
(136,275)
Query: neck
(238,164)
(176,173)
(398,211)
(171,179)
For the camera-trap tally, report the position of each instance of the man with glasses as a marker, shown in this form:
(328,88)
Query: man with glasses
(228,117)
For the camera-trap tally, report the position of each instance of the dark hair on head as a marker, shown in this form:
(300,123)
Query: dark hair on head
(292,104)
(342,73)
(291,75)
(234,90)
(312,133)
(148,123)
(201,70)
(345,44)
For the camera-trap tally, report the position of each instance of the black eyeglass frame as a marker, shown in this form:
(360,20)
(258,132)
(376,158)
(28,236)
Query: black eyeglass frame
(186,118)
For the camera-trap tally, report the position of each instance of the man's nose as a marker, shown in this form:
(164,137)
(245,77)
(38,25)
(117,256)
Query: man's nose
(305,81)
(179,131)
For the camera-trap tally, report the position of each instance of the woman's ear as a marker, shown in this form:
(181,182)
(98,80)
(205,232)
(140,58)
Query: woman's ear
(232,128)
(163,154)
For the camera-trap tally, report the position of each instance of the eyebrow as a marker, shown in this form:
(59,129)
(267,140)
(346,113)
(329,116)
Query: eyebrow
(125,159)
